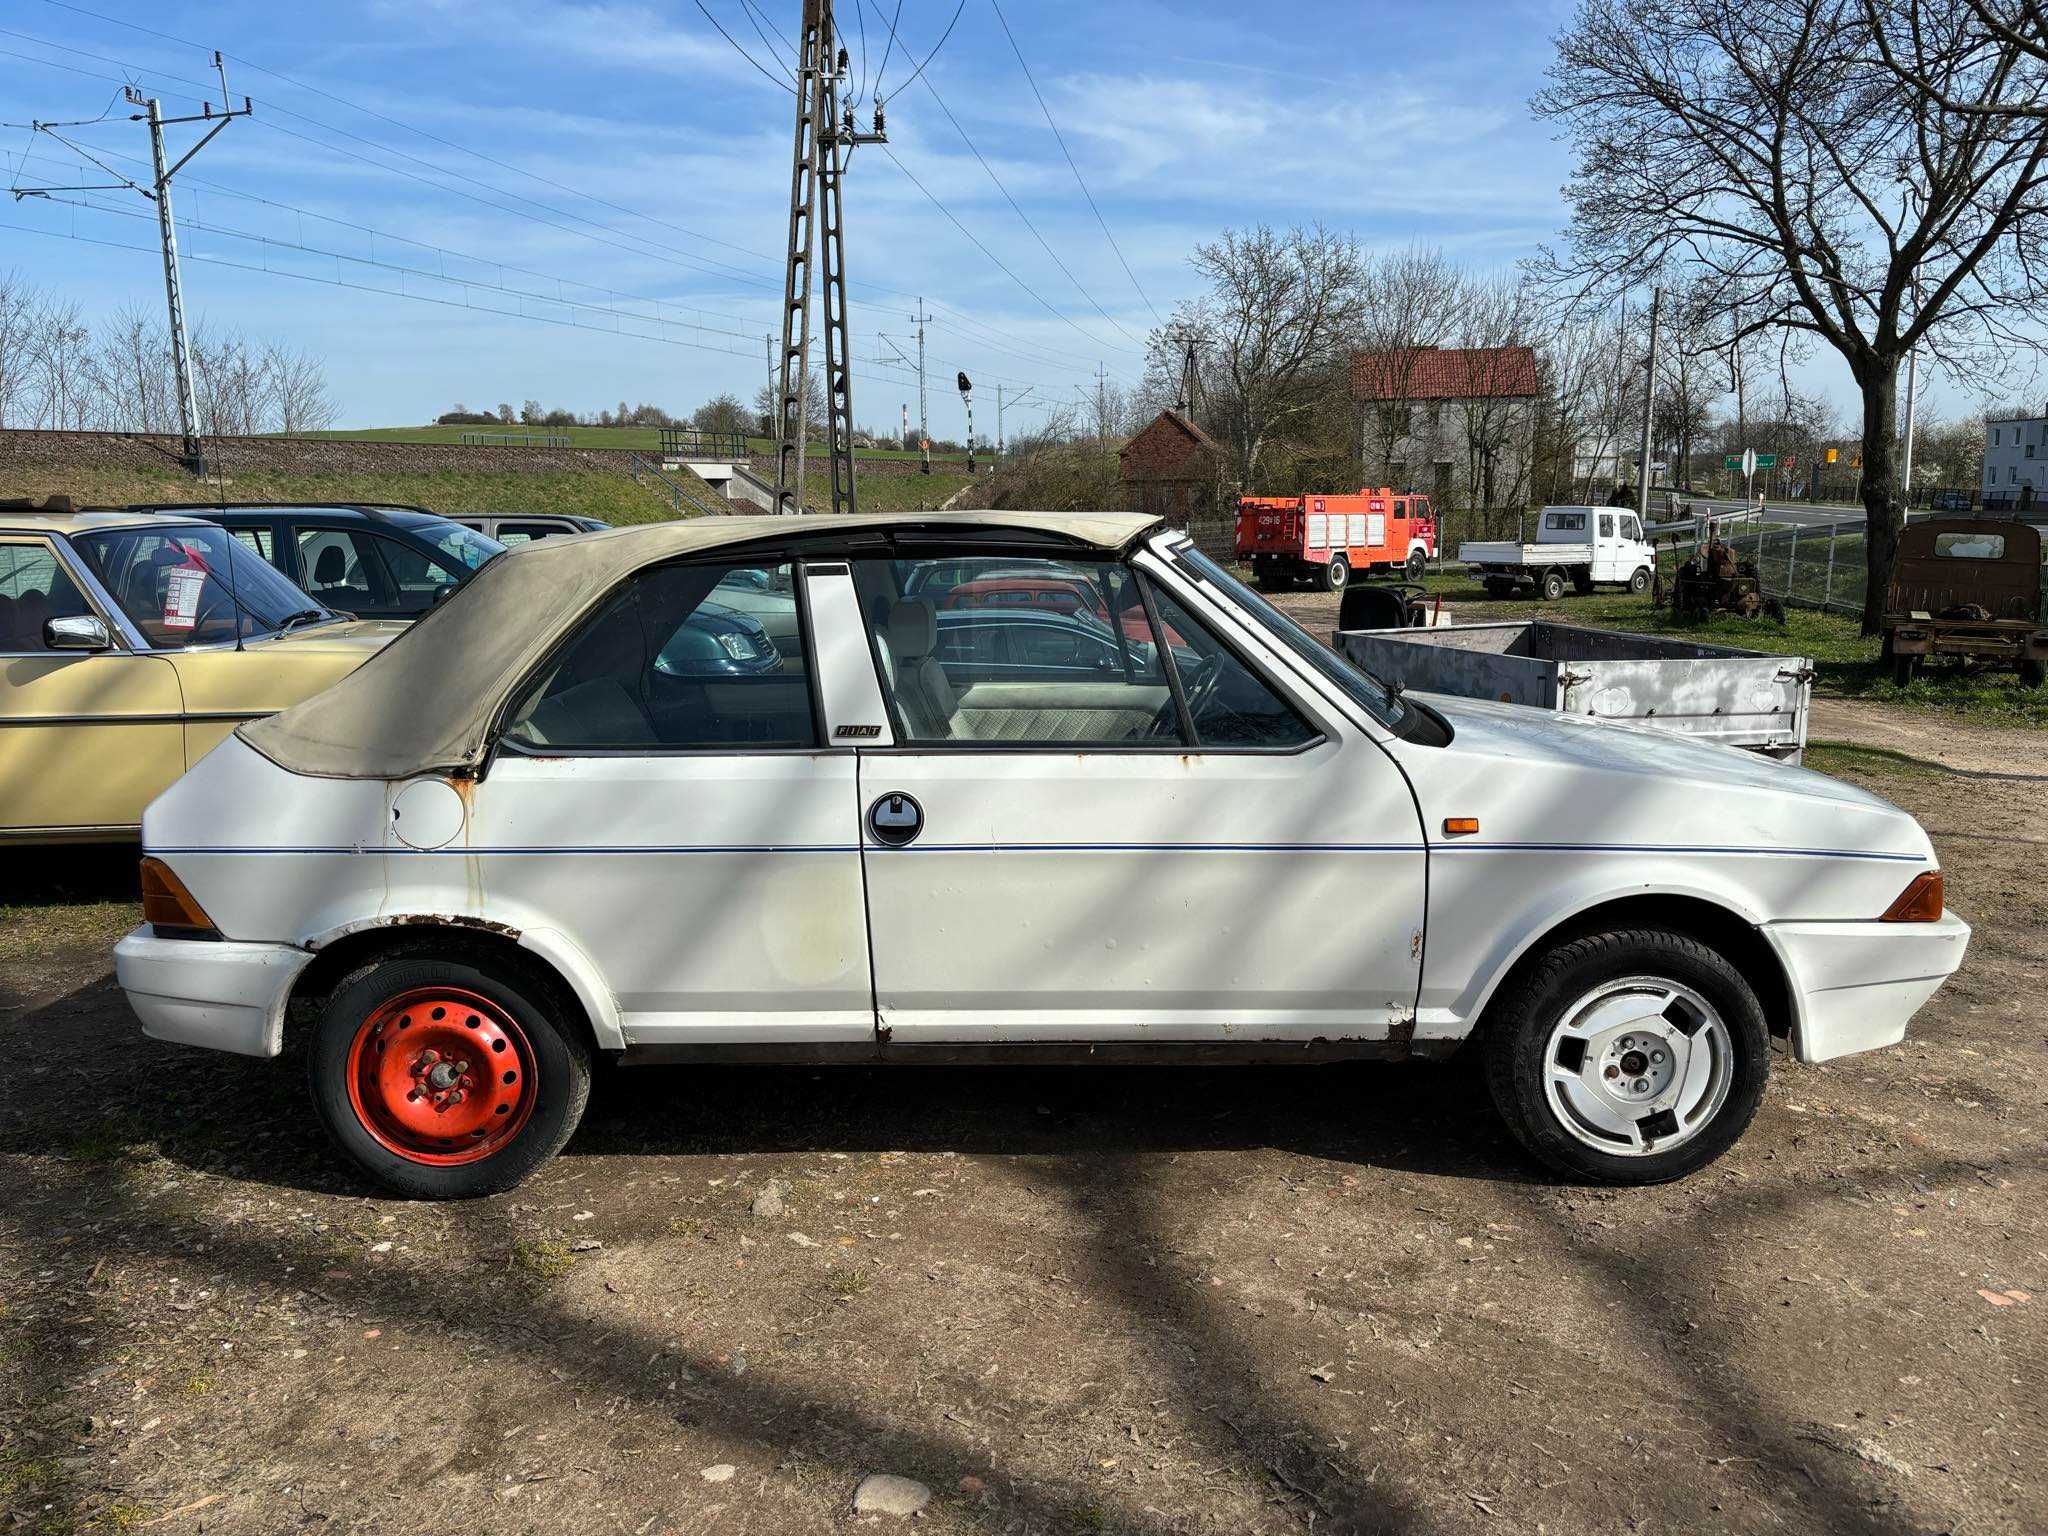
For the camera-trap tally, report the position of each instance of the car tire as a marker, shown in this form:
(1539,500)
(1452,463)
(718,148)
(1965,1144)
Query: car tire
(1417,564)
(1336,574)
(2033,673)
(1568,1054)
(1552,586)
(1905,668)
(493,1081)
(1639,583)
(1499,589)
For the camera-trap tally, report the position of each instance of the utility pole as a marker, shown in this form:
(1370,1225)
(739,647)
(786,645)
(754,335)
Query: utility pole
(1649,408)
(904,438)
(770,424)
(1188,342)
(817,169)
(159,192)
(924,426)
(1000,449)
(1101,408)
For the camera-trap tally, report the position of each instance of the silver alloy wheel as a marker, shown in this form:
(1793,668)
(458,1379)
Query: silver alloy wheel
(1637,1066)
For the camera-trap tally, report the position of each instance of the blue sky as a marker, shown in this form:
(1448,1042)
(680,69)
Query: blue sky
(665,162)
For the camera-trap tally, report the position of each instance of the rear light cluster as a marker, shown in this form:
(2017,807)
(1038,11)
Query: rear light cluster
(1919,902)
(171,909)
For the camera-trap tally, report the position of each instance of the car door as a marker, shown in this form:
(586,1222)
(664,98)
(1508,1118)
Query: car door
(87,738)
(1606,555)
(1188,846)
(662,795)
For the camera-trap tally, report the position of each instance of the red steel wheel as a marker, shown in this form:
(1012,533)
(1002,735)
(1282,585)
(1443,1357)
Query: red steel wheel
(442,1076)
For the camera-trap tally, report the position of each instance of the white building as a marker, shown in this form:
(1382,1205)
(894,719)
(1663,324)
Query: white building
(2015,457)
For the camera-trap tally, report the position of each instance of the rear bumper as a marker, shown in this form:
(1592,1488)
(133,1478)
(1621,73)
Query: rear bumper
(1856,985)
(225,996)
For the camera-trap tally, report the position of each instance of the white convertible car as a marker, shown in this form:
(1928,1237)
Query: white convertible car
(1007,788)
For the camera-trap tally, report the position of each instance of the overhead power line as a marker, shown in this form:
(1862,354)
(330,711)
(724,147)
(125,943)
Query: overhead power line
(978,332)
(1078,181)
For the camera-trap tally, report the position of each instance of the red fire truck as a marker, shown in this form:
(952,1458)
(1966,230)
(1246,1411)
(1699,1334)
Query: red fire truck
(1327,539)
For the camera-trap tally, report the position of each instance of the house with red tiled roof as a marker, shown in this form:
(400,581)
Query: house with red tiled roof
(1455,421)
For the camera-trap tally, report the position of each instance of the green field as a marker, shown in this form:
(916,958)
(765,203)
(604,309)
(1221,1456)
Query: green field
(613,497)
(641,439)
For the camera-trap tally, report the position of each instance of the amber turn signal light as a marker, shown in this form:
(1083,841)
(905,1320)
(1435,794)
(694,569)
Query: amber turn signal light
(1460,826)
(167,905)
(1919,902)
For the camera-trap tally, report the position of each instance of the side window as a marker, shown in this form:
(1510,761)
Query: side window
(416,580)
(1630,528)
(1606,525)
(669,665)
(1228,703)
(523,533)
(258,539)
(335,568)
(33,588)
(1053,653)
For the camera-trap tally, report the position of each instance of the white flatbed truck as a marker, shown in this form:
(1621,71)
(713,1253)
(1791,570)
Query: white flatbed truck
(1579,547)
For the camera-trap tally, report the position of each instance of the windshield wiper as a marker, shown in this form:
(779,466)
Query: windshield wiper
(302,616)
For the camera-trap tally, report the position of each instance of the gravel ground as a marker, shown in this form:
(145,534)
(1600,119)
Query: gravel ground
(1177,1300)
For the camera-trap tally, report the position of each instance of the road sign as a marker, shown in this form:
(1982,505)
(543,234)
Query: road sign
(1731,461)
(1748,462)
(1766,460)
(1831,455)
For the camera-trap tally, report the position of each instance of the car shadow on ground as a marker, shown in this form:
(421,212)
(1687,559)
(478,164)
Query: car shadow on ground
(251,1118)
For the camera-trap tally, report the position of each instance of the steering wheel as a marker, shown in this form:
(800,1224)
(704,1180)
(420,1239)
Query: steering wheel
(1198,686)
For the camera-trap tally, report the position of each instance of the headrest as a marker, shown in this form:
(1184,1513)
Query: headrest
(913,629)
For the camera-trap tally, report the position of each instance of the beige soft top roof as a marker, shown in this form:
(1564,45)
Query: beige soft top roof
(426,703)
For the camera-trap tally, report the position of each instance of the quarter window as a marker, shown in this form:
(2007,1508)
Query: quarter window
(666,665)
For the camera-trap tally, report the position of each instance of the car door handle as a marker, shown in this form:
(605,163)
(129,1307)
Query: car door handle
(895,819)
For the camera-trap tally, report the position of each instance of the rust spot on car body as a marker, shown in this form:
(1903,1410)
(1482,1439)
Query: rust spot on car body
(1402,1030)
(424,920)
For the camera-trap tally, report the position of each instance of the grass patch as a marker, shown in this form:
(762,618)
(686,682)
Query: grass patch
(1842,757)
(614,497)
(889,493)
(541,1259)
(31,1476)
(37,932)
(847,1283)
(642,439)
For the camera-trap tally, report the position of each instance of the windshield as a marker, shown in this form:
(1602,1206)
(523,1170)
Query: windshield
(1374,696)
(194,585)
(459,543)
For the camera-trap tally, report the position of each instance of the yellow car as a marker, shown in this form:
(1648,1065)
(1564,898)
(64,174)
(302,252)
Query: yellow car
(129,645)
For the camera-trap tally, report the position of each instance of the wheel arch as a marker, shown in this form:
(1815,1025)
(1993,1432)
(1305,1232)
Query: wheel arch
(337,953)
(1719,926)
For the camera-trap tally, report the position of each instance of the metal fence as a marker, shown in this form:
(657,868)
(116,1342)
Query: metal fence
(1817,565)
(518,439)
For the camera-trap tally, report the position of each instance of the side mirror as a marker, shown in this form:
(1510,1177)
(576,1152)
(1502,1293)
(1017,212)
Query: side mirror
(80,633)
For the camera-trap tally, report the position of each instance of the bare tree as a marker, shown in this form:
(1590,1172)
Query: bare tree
(1408,301)
(1280,309)
(1926,54)
(62,369)
(20,306)
(298,398)
(1768,155)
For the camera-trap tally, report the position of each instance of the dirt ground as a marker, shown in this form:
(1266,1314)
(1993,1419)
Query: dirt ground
(1176,1300)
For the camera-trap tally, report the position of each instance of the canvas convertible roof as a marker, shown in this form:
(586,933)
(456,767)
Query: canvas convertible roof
(427,701)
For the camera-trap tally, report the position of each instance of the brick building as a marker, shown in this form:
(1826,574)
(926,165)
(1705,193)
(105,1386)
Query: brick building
(1173,469)
(1456,422)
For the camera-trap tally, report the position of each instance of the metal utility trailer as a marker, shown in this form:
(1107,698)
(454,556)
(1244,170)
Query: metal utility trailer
(1711,692)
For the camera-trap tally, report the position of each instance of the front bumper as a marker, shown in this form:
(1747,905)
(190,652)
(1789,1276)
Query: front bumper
(1855,985)
(225,996)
